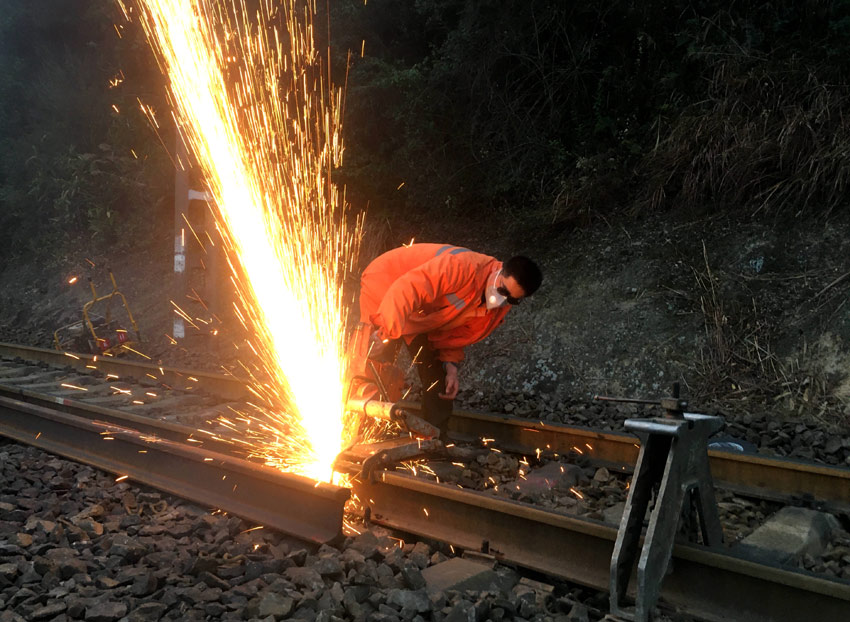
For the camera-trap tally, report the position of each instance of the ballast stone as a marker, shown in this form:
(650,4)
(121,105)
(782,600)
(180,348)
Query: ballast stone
(459,574)
(276,605)
(107,611)
(614,514)
(789,534)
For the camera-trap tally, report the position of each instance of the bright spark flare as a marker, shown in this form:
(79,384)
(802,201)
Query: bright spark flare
(254,106)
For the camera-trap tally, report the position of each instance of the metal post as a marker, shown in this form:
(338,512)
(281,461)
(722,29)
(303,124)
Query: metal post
(197,244)
(181,209)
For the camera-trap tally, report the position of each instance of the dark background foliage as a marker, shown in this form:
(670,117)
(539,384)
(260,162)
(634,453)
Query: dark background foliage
(554,112)
(73,169)
(533,113)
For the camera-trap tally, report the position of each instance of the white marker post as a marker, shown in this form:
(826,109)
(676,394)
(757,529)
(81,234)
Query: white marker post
(181,208)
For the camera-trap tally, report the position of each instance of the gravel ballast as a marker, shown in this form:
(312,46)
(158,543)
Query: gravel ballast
(77,545)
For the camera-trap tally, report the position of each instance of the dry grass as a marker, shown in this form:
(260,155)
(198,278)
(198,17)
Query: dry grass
(737,364)
(770,141)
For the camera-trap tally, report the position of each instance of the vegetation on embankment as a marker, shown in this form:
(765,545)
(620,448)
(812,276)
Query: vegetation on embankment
(531,111)
(555,112)
(80,167)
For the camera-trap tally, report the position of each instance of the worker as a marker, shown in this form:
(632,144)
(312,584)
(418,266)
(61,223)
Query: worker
(438,299)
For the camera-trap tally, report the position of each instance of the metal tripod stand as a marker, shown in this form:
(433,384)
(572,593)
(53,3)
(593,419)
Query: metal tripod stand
(673,463)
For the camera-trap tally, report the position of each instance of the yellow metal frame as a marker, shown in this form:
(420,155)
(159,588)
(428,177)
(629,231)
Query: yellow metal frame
(108,316)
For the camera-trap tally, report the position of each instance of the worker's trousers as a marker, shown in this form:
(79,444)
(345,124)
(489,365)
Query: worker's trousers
(435,409)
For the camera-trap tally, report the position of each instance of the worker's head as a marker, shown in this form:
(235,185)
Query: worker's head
(519,278)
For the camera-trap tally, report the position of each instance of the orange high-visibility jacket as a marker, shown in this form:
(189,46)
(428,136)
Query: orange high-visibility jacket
(435,289)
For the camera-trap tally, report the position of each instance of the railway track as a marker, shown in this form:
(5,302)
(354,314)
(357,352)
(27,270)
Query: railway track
(43,402)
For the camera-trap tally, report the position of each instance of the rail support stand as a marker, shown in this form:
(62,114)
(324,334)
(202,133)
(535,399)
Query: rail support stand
(673,460)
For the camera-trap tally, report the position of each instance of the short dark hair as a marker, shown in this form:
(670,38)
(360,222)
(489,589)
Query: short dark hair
(526,273)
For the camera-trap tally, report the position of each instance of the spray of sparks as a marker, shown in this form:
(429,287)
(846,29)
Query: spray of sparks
(254,106)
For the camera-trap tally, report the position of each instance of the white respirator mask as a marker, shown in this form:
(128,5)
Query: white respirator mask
(492,298)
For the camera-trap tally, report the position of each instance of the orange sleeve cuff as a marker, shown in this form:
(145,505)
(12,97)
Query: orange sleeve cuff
(453,355)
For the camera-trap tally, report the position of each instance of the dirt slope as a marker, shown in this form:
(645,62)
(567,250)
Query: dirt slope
(748,317)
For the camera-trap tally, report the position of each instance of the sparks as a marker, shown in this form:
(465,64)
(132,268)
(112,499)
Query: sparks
(126,347)
(73,386)
(253,103)
(122,478)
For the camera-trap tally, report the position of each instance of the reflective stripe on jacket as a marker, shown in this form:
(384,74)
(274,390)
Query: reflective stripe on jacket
(435,289)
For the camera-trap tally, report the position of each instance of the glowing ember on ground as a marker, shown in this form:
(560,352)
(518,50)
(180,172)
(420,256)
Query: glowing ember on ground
(253,103)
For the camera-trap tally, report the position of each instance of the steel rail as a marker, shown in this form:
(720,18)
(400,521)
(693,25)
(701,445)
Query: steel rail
(219,384)
(293,504)
(709,584)
(712,585)
(165,430)
(162,429)
(756,475)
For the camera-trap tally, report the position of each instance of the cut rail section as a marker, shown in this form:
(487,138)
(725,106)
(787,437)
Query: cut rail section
(290,503)
(704,583)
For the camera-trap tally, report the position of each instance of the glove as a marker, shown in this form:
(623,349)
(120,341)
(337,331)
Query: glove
(377,344)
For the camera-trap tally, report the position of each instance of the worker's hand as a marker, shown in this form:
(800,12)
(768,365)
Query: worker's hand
(377,344)
(452,384)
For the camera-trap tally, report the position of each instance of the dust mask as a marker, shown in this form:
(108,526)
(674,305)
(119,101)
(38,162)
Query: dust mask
(492,298)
